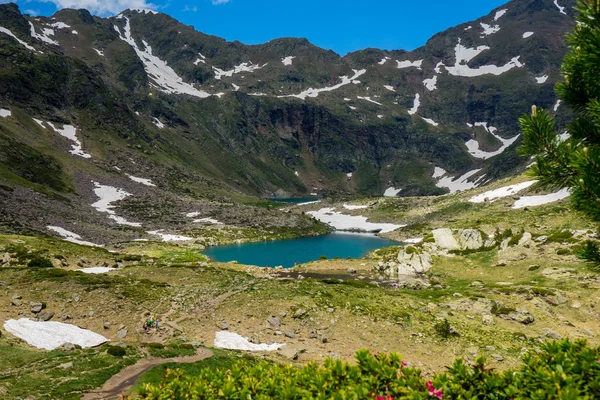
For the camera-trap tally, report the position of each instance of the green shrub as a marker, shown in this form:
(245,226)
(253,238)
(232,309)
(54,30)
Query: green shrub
(561,370)
(40,262)
(116,351)
(565,236)
(533,268)
(154,345)
(444,329)
(323,258)
(563,252)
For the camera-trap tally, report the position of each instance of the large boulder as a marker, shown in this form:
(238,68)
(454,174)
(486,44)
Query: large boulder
(470,239)
(412,261)
(444,239)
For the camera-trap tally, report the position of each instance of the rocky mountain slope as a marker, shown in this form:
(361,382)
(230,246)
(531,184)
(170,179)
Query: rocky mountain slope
(140,104)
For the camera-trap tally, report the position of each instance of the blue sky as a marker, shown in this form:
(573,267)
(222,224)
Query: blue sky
(340,25)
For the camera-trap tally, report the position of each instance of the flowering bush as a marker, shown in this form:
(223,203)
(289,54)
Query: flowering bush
(562,370)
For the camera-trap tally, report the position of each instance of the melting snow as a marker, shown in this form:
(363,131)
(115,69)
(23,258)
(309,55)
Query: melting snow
(489,29)
(351,207)
(71,237)
(413,240)
(527,34)
(70,132)
(541,79)
(473,145)
(468,27)
(235,87)
(39,122)
(416,104)
(22,43)
(157,122)
(287,60)
(143,181)
(315,92)
(233,341)
(5,113)
(499,14)
(74,32)
(59,25)
(51,334)
(501,192)
(166,237)
(561,9)
(438,172)
(460,183)
(100,53)
(208,221)
(557,105)
(96,270)
(350,222)
(349,174)
(108,195)
(532,201)
(369,100)
(408,64)
(430,121)
(44,36)
(390,88)
(438,66)
(243,67)
(391,192)
(201,59)
(142,11)
(384,60)
(165,78)
(431,83)
(464,54)
(380,116)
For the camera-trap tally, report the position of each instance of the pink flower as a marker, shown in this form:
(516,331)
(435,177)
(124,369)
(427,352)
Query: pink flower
(387,397)
(433,391)
(403,364)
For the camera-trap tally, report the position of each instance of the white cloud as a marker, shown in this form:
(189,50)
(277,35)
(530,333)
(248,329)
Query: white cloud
(33,13)
(188,8)
(102,7)
(217,2)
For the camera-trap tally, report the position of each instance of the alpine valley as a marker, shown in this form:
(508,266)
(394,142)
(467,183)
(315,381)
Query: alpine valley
(130,144)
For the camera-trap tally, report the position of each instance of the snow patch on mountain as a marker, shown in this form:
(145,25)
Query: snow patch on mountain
(233,341)
(59,25)
(243,67)
(431,83)
(311,92)
(384,60)
(416,104)
(527,34)
(345,222)
(157,122)
(167,237)
(502,192)
(499,14)
(532,201)
(164,77)
(108,195)
(22,43)
(369,99)
(473,145)
(44,36)
(71,237)
(557,105)
(207,221)
(390,88)
(70,132)
(288,60)
(5,113)
(391,192)
(561,9)
(143,181)
(100,53)
(407,64)
(438,172)
(459,184)
(430,121)
(52,334)
(464,54)
(489,29)
(352,207)
(541,79)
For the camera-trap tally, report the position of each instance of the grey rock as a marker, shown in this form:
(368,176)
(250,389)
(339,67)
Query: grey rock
(497,357)
(67,347)
(273,322)
(324,339)
(289,352)
(352,270)
(16,302)
(490,348)
(67,365)
(300,313)
(476,284)
(470,239)
(106,325)
(444,239)
(522,317)
(487,319)
(549,333)
(412,261)
(122,333)
(45,315)
(224,326)
(291,335)
(35,307)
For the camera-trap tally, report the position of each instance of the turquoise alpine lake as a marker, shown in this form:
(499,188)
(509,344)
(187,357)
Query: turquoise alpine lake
(289,252)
